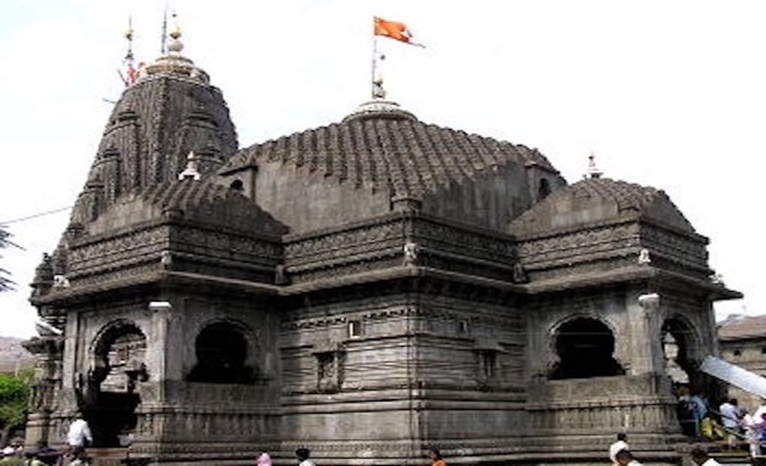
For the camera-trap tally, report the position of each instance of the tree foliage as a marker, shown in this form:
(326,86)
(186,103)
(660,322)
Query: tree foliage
(14,401)
(6,283)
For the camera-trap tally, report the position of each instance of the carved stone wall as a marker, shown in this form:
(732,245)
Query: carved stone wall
(169,245)
(607,246)
(379,244)
(390,367)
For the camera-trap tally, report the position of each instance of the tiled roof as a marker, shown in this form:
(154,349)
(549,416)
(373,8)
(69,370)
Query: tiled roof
(738,327)
(389,147)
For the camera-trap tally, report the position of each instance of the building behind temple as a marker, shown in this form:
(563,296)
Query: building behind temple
(367,289)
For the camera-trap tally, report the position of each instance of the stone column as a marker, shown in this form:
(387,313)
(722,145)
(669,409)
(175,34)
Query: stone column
(156,349)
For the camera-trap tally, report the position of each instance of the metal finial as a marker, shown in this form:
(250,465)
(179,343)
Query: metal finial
(593,171)
(176,32)
(175,44)
(377,89)
(129,36)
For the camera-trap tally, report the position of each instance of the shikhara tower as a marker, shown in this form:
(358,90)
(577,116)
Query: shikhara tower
(367,289)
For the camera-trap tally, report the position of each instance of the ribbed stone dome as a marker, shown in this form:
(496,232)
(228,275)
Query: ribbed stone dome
(595,200)
(385,147)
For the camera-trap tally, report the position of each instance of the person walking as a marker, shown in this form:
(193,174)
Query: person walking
(436,458)
(620,444)
(303,455)
(264,459)
(626,458)
(78,437)
(731,417)
(701,458)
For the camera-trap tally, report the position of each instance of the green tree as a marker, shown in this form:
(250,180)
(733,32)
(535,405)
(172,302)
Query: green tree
(6,283)
(14,402)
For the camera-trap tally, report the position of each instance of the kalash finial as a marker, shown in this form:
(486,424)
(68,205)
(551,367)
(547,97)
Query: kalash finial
(172,63)
(593,171)
(175,45)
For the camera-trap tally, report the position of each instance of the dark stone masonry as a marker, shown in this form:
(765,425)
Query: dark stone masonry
(367,289)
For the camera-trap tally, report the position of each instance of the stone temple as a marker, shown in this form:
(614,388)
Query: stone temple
(367,289)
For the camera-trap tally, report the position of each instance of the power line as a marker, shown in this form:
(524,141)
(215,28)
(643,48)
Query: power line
(41,214)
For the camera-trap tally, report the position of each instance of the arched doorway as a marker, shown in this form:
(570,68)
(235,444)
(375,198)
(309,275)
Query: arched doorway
(118,365)
(680,348)
(679,344)
(585,348)
(222,353)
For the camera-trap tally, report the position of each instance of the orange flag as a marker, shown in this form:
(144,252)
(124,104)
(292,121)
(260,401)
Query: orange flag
(394,30)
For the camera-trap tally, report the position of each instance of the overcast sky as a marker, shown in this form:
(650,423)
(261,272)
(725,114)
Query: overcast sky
(667,93)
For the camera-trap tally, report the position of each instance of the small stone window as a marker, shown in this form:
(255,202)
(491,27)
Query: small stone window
(237,185)
(738,352)
(354,328)
(462,326)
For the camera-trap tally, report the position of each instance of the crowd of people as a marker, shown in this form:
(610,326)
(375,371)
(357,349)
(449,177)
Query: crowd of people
(620,454)
(730,423)
(303,456)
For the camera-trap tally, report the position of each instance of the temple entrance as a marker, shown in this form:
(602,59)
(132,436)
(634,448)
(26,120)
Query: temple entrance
(585,348)
(112,398)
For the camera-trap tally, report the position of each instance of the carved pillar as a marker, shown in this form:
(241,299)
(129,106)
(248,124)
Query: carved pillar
(48,351)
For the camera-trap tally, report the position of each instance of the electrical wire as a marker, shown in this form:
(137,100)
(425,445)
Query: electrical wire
(41,214)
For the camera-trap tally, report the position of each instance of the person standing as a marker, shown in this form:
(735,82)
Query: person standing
(264,460)
(436,458)
(303,455)
(701,458)
(731,418)
(626,458)
(79,436)
(620,444)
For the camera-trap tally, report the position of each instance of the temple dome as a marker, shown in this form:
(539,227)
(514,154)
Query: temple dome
(202,202)
(598,200)
(385,159)
(383,146)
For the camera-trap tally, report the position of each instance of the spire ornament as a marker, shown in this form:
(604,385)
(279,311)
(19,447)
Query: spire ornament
(191,172)
(593,171)
(130,75)
(172,62)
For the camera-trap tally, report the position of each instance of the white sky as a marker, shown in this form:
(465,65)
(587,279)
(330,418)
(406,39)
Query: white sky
(667,93)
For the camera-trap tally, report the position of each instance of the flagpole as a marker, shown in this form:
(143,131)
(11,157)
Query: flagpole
(164,39)
(374,59)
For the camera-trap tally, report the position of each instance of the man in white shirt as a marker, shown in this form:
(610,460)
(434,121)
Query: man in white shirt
(303,456)
(79,436)
(731,418)
(625,458)
(620,444)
